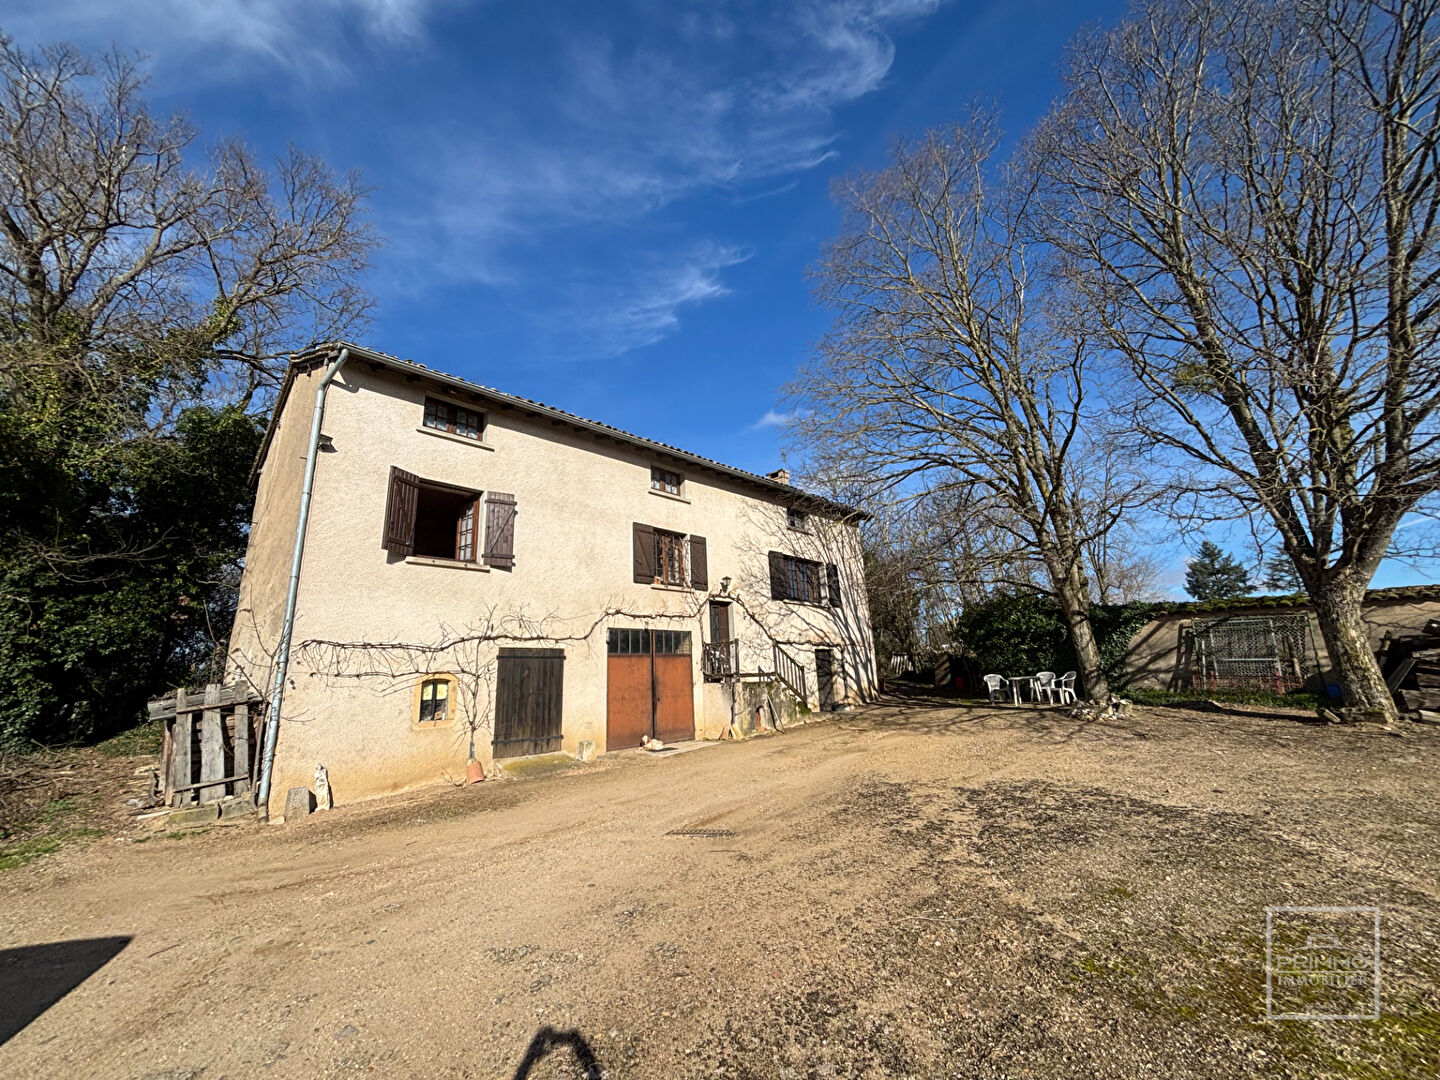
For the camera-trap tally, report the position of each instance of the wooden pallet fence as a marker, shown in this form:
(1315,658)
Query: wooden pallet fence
(210,742)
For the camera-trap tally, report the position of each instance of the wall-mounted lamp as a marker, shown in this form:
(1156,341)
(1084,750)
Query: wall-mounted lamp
(724,586)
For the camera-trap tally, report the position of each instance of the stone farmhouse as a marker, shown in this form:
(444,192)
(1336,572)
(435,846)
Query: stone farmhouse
(481,577)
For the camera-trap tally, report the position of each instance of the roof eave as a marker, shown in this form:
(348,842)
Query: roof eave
(785,493)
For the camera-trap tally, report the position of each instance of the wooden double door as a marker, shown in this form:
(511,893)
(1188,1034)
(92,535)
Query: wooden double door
(529,696)
(650,687)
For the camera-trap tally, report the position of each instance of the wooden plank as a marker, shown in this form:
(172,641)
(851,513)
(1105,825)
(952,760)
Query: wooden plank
(1411,700)
(209,783)
(232,694)
(180,753)
(243,764)
(1403,668)
(212,747)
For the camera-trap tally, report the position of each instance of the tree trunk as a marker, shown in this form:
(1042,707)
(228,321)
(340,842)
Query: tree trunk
(1075,607)
(1339,611)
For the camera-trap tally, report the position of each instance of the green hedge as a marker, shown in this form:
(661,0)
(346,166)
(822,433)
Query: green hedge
(1149,695)
(1024,633)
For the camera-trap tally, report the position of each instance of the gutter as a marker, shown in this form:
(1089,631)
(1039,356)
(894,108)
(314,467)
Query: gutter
(287,628)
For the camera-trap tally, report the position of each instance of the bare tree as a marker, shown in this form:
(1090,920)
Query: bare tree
(127,250)
(1122,571)
(1248,193)
(945,375)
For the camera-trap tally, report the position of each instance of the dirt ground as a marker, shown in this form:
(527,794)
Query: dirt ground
(924,890)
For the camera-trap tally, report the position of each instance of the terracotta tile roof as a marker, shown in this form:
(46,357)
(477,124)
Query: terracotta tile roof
(785,493)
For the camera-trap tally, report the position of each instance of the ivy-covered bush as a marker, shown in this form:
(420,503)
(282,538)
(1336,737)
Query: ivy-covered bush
(1025,633)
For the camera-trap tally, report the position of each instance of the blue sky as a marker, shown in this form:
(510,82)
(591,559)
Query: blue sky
(606,206)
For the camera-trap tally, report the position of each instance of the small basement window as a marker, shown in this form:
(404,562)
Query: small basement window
(443,416)
(433,701)
(664,480)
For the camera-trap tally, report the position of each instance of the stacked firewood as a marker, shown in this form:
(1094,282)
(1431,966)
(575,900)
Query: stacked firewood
(1412,671)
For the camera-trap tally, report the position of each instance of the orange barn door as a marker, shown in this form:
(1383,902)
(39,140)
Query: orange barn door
(650,688)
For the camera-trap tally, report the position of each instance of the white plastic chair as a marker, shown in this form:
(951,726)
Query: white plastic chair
(1044,680)
(1062,690)
(996,684)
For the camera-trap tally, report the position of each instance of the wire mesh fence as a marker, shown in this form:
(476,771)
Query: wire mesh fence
(1274,653)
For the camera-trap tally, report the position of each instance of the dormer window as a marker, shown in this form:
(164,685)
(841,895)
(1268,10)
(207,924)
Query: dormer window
(443,416)
(798,520)
(663,480)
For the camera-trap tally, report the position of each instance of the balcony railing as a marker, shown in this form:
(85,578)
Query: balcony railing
(720,658)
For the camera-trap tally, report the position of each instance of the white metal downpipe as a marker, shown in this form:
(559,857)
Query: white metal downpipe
(282,652)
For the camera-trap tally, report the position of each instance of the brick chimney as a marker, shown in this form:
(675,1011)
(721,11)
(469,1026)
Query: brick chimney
(780,476)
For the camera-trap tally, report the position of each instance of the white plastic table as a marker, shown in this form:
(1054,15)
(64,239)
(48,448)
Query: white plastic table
(1033,681)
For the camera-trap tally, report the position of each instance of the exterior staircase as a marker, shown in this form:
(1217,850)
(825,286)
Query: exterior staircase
(721,660)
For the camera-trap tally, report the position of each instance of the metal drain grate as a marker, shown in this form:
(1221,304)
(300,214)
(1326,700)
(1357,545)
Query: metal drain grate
(701,834)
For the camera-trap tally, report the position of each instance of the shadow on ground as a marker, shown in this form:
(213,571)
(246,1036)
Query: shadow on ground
(34,977)
(548,1040)
(924,714)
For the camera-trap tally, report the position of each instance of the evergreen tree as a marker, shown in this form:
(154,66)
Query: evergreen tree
(1280,575)
(1214,575)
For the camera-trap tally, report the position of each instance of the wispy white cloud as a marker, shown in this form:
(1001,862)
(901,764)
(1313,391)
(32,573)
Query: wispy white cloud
(305,37)
(772,419)
(547,164)
(697,100)
(599,320)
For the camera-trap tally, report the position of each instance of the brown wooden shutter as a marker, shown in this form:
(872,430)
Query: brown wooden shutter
(699,569)
(779,577)
(499,529)
(832,584)
(400,512)
(644,551)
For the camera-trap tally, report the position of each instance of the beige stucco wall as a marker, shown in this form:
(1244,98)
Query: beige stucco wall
(1153,658)
(577,499)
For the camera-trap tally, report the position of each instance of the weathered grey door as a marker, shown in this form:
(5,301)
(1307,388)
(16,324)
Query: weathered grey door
(528,701)
(825,677)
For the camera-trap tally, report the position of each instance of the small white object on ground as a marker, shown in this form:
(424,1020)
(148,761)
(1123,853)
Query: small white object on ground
(322,788)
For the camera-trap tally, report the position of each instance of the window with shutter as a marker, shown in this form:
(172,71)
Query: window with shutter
(643,553)
(699,568)
(430,519)
(671,552)
(400,511)
(500,529)
(779,578)
(792,578)
(832,584)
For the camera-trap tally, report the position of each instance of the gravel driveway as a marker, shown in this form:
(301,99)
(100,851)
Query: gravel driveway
(915,890)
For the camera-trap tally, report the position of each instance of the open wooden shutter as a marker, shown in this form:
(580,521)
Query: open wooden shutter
(832,584)
(400,512)
(499,529)
(644,552)
(779,577)
(699,569)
